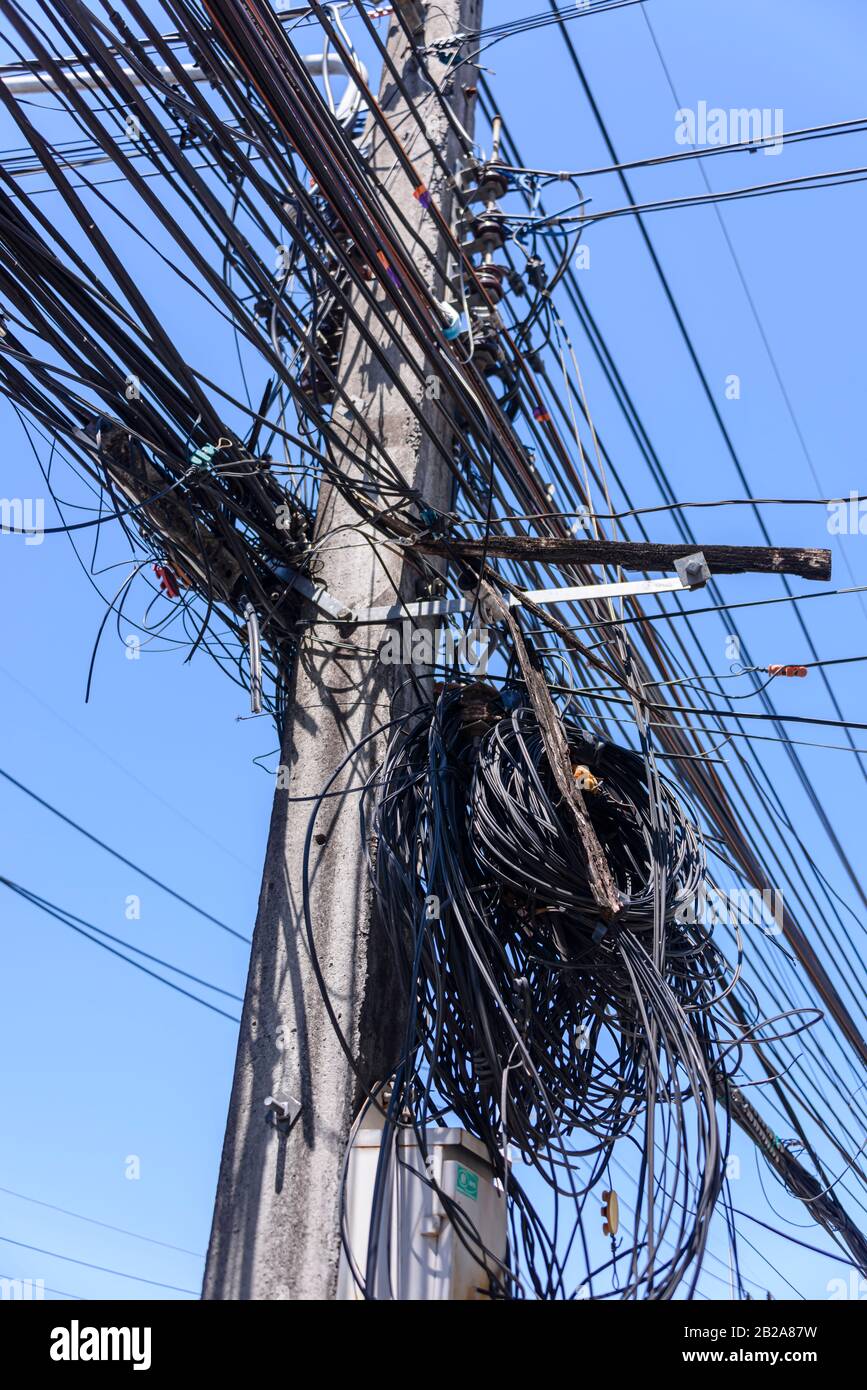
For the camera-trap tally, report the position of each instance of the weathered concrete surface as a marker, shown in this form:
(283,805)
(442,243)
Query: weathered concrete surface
(276,1223)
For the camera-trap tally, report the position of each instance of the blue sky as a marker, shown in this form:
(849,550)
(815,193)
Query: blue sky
(102,1064)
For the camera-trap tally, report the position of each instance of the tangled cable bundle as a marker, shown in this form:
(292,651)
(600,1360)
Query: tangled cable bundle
(521,836)
(530,1017)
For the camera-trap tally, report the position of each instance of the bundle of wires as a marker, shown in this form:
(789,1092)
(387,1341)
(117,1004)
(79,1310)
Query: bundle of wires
(531,1019)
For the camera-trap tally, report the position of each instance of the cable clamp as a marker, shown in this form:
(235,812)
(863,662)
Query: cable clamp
(447,49)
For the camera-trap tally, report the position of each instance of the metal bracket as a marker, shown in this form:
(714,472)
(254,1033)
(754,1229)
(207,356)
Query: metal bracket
(319,597)
(284,1108)
(692,572)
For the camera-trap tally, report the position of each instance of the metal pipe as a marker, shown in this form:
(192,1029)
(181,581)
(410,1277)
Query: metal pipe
(317,64)
(255,647)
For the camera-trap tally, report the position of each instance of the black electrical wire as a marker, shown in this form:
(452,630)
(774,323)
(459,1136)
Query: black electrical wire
(83,928)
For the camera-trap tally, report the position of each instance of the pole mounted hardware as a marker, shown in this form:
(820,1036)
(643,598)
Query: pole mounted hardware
(695,574)
(284,1108)
(693,570)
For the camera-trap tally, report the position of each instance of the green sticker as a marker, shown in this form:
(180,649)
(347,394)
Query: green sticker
(468,1183)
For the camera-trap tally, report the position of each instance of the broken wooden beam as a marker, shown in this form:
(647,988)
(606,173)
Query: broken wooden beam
(602,886)
(646,556)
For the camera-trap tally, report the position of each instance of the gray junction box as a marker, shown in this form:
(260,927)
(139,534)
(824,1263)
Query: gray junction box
(420,1254)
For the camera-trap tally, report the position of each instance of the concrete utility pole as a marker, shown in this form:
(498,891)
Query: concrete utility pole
(276,1228)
